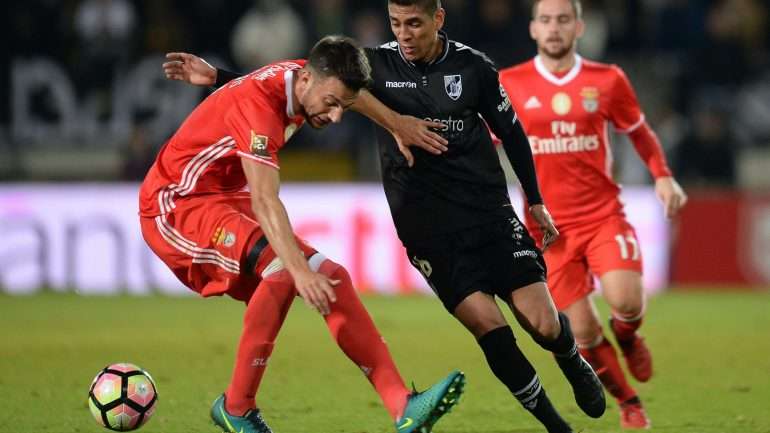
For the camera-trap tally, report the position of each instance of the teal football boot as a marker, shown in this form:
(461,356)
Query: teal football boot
(423,409)
(251,422)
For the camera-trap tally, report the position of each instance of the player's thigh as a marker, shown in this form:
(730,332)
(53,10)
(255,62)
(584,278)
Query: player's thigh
(615,256)
(451,272)
(613,246)
(623,291)
(216,234)
(570,282)
(535,311)
(584,321)
(511,259)
(479,313)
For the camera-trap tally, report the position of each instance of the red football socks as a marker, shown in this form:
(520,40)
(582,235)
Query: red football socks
(349,324)
(604,360)
(264,316)
(355,333)
(624,328)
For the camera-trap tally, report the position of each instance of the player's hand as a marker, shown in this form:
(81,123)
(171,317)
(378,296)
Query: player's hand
(545,222)
(411,131)
(316,290)
(190,69)
(671,195)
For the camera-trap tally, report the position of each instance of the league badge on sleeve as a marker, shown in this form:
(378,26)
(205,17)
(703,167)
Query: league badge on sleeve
(453,84)
(259,146)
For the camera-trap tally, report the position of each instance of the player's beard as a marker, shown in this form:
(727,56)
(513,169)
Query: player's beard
(309,120)
(557,54)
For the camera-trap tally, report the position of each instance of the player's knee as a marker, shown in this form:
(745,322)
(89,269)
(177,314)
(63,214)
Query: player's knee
(547,327)
(585,332)
(630,307)
(479,324)
(319,263)
(542,325)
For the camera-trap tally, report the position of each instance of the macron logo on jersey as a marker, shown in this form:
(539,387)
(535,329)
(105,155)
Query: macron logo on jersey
(532,103)
(400,85)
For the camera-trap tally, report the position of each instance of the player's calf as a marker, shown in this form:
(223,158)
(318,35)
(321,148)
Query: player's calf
(589,394)
(512,368)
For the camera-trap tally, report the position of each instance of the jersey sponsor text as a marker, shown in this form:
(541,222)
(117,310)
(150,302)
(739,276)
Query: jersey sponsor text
(400,84)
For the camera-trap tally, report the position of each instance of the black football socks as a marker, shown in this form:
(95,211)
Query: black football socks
(512,368)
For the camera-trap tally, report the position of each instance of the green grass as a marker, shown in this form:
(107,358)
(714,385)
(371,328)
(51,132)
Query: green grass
(712,359)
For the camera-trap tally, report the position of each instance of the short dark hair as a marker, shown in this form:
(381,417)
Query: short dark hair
(428,6)
(341,57)
(576,6)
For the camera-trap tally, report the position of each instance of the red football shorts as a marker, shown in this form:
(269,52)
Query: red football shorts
(206,242)
(586,251)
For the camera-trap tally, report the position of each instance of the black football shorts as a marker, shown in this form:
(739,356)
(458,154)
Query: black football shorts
(495,258)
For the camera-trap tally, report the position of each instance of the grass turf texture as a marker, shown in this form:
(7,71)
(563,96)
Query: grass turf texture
(712,361)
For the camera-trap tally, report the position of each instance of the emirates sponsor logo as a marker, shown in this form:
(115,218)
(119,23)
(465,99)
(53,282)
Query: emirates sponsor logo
(564,140)
(560,144)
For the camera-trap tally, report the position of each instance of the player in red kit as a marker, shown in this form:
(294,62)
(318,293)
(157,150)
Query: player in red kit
(566,104)
(210,210)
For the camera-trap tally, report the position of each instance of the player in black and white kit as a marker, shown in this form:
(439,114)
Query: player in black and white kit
(449,199)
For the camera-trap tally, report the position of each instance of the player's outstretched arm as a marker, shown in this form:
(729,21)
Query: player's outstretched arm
(190,69)
(406,130)
(316,289)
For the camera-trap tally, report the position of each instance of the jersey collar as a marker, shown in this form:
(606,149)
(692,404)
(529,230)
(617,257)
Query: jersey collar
(542,70)
(443,36)
(288,78)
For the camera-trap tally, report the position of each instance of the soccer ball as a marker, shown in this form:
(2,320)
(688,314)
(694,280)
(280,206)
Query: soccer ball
(122,397)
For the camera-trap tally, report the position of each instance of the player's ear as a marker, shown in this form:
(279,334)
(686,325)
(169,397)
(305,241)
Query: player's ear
(304,80)
(439,18)
(304,75)
(580,28)
(532,29)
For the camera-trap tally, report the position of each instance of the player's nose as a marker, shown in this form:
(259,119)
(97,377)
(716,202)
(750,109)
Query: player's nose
(335,115)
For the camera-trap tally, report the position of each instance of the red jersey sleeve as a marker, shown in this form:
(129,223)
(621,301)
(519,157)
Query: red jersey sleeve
(625,112)
(628,118)
(257,131)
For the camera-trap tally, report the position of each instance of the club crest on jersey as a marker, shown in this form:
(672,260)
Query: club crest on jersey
(259,145)
(590,97)
(561,103)
(453,84)
(289,131)
(223,237)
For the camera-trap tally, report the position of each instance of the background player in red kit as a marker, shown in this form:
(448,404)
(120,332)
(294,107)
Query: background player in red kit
(566,103)
(218,239)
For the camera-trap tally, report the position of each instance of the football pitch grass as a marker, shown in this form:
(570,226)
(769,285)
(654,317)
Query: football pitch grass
(712,365)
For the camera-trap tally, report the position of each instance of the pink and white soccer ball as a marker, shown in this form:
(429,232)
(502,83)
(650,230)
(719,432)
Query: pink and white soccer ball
(122,397)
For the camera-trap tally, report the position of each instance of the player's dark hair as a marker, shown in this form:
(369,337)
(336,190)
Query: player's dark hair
(428,6)
(342,58)
(576,6)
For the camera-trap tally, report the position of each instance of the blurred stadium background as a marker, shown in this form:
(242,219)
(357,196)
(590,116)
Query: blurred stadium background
(86,107)
(85,100)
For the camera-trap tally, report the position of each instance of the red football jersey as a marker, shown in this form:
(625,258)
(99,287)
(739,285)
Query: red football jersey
(567,119)
(249,117)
